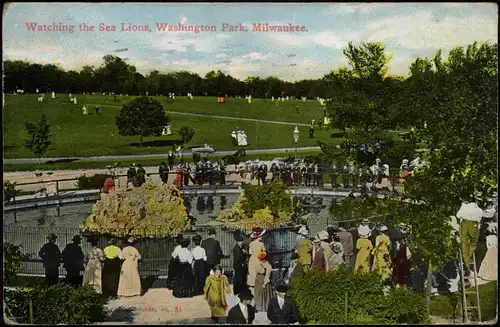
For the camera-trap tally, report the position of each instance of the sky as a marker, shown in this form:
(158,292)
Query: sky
(408,30)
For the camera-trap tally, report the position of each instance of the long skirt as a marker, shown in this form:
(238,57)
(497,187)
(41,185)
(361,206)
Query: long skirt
(111,276)
(262,294)
(171,273)
(200,272)
(400,272)
(489,266)
(184,281)
(240,279)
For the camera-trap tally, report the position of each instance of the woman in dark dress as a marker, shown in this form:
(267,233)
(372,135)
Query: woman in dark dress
(200,268)
(401,264)
(173,263)
(111,269)
(184,280)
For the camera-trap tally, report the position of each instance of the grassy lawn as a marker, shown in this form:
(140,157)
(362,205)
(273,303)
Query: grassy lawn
(94,135)
(152,161)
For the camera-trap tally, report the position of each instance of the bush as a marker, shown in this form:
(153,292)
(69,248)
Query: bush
(91,182)
(442,305)
(59,304)
(13,258)
(321,299)
(186,133)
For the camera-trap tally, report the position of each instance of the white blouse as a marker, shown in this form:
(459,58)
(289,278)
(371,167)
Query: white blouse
(199,253)
(185,255)
(491,241)
(176,250)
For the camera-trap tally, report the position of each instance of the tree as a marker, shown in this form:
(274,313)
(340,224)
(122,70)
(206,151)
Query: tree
(39,137)
(141,117)
(186,133)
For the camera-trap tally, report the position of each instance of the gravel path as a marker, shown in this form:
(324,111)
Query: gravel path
(159,306)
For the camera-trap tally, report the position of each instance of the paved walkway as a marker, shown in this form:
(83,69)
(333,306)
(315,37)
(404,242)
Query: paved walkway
(156,155)
(159,306)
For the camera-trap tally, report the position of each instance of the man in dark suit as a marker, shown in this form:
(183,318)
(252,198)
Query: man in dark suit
(243,313)
(295,268)
(213,249)
(240,264)
(281,309)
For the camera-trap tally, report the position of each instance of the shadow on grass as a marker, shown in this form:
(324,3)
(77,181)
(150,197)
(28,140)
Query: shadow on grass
(121,314)
(9,147)
(336,135)
(65,160)
(157,143)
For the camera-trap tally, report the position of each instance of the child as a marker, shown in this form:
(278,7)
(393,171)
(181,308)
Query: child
(216,287)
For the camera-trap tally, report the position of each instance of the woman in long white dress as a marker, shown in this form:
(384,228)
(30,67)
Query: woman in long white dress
(94,259)
(489,266)
(130,281)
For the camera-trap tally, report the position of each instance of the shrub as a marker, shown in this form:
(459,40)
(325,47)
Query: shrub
(58,304)
(13,258)
(91,182)
(186,133)
(321,299)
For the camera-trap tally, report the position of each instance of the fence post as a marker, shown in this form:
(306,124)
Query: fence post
(57,188)
(346,308)
(30,304)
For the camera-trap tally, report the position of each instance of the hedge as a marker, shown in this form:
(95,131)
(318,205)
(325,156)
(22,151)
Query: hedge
(58,304)
(91,182)
(442,305)
(322,298)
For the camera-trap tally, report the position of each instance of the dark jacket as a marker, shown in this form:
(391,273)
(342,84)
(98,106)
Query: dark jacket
(213,250)
(240,258)
(297,271)
(285,316)
(50,255)
(235,316)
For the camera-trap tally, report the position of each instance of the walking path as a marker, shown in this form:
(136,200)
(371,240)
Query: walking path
(215,116)
(159,306)
(156,155)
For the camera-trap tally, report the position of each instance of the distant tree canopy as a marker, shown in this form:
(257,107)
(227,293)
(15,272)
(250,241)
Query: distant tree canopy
(116,75)
(141,117)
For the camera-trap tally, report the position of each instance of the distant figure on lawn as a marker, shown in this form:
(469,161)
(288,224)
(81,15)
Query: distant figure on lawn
(73,260)
(51,258)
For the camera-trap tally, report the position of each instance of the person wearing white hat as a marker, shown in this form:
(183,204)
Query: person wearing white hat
(255,247)
(489,266)
(304,248)
(364,246)
(470,217)
(381,250)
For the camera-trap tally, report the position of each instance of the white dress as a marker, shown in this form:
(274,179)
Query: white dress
(489,267)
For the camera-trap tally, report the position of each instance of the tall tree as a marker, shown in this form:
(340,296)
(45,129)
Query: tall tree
(141,117)
(39,137)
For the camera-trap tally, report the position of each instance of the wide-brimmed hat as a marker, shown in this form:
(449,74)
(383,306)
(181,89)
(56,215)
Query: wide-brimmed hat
(257,232)
(211,231)
(303,231)
(382,228)
(364,231)
(76,238)
(51,236)
(337,247)
(322,236)
(131,240)
(245,294)
(281,286)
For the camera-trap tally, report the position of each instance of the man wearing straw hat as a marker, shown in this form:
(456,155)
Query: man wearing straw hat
(51,258)
(320,258)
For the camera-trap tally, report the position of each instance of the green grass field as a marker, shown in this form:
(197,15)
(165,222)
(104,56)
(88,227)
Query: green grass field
(77,135)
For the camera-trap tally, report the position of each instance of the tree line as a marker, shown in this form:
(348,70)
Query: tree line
(116,75)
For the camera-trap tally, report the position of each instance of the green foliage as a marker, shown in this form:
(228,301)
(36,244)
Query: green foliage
(321,297)
(9,191)
(59,304)
(430,226)
(13,257)
(39,137)
(147,211)
(273,195)
(142,117)
(442,305)
(186,133)
(96,181)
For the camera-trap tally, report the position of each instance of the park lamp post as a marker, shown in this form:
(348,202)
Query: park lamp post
(296,138)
